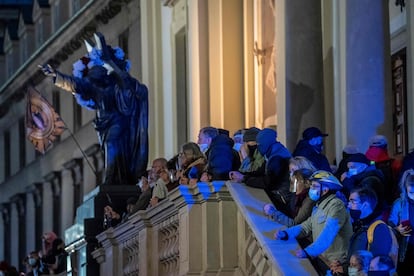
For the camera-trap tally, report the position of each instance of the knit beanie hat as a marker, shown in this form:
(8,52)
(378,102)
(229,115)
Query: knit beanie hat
(358,157)
(250,134)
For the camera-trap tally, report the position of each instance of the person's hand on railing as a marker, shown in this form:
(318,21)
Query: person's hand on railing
(269,210)
(300,253)
(205,177)
(336,267)
(236,176)
(281,235)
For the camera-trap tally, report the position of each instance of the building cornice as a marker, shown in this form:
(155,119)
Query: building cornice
(58,48)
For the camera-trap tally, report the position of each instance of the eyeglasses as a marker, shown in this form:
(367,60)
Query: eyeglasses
(354,201)
(183,153)
(315,186)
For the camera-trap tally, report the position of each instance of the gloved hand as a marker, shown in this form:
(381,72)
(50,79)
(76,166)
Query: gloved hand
(48,70)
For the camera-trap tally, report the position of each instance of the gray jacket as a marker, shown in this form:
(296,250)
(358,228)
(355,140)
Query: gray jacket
(331,229)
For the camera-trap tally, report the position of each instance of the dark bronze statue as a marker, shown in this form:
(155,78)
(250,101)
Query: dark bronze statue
(101,82)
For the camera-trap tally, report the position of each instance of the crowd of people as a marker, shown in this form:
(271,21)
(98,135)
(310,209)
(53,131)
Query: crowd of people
(49,260)
(350,218)
(353,218)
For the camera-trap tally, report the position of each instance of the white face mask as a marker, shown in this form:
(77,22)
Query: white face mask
(410,196)
(352,271)
(237,146)
(32,261)
(140,183)
(203,147)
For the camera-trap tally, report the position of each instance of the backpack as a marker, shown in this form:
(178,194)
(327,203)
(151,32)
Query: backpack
(394,246)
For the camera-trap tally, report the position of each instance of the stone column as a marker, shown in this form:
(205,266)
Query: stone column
(55,181)
(94,171)
(30,220)
(368,89)
(197,32)
(72,188)
(6,237)
(225,60)
(38,203)
(18,224)
(299,68)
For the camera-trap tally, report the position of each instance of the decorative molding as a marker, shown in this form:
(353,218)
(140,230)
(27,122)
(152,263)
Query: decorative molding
(20,202)
(169,3)
(76,169)
(5,212)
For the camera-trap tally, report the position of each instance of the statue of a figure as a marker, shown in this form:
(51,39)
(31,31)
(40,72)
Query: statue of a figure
(101,82)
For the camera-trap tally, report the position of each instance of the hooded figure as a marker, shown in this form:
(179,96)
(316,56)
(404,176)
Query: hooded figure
(276,178)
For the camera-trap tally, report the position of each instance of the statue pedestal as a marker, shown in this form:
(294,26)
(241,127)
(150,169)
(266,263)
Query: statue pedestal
(80,238)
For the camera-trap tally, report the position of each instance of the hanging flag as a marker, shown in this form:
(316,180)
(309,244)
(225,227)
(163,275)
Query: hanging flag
(43,124)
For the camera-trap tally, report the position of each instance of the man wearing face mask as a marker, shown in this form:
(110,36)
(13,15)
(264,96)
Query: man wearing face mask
(362,174)
(218,149)
(329,225)
(33,264)
(253,163)
(362,203)
(311,147)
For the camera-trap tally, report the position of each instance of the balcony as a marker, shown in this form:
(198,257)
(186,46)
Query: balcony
(215,228)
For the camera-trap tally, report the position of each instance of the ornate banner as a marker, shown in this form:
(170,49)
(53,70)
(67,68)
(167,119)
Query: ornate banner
(43,124)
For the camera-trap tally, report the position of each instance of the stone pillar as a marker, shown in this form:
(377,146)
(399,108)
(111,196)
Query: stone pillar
(225,59)
(19,229)
(94,169)
(6,227)
(30,220)
(51,206)
(368,89)
(38,203)
(197,32)
(299,73)
(72,188)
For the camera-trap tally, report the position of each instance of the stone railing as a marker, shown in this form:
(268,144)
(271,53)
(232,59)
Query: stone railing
(215,228)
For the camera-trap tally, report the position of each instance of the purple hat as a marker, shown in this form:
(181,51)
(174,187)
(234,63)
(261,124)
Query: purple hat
(378,141)
(312,132)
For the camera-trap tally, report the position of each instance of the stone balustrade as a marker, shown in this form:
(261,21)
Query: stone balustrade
(215,228)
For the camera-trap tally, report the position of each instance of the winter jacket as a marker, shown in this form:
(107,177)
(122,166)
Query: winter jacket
(330,227)
(400,212)
(220,157)
(303,148)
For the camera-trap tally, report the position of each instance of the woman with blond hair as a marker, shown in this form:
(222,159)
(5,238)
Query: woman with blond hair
(300,206)
(402,220)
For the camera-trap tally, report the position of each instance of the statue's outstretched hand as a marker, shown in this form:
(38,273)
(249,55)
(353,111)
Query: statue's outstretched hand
(48,70)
